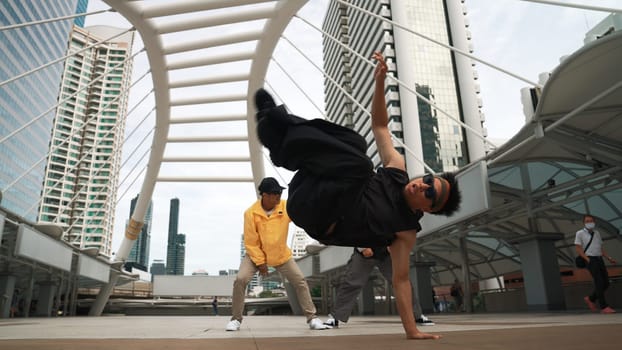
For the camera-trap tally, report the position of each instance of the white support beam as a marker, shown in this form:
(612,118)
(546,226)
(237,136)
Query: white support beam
(272,33)
(205,159)
(229,17)
(234,138)
(209,99)
(210,80)
(169,8)
(212,42)
(212,59)
(204,179)
(208,119)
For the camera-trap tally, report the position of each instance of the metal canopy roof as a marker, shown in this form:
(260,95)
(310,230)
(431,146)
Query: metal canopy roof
(579,115)
(565,162)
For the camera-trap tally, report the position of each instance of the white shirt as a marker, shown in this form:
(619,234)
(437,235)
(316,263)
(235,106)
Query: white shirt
(583,237)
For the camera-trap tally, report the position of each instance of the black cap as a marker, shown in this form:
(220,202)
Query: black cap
(270,185)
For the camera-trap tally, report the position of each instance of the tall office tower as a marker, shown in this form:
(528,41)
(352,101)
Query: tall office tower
(139,255)
(82,171)
(299,241)
(176,247)
(31,98)
(445,78)
(81,7)
(158,267)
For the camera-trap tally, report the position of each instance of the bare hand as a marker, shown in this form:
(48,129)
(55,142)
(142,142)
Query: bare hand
(380,73)
(263,269)
(367,252)
(423,336)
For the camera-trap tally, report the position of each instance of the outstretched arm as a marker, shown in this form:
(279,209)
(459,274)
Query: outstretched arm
(380,119)
(400,261)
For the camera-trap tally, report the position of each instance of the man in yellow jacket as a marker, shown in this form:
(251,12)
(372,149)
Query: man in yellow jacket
(266,226)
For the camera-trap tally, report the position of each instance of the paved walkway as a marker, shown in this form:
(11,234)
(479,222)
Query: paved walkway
(551,331)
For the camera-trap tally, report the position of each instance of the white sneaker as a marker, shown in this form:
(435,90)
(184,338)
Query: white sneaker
(317,324)
(424,321)
(332,321)
(233,325)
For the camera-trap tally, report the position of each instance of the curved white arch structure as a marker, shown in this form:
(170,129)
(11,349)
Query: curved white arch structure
(149,20)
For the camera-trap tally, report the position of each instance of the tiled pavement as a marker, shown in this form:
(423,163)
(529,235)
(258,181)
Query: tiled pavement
(531,331)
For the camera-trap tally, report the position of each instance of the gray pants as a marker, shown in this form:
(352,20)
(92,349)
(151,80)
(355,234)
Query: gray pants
(354,279)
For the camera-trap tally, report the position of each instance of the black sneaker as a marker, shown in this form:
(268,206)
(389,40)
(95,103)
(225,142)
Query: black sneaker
(424,321)
(332,321)
(263,100)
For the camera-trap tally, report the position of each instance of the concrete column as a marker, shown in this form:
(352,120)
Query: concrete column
(57,297)
(45,301)
(466,276)
(421,278)
(102,298)
(543,285)
(7,288)
(408,101)
(28,293)
(466,81)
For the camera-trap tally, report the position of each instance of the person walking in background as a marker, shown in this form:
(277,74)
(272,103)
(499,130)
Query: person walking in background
(14,311)
(266,226)
(589,238)
(215,306)
(356,274)
(458,294)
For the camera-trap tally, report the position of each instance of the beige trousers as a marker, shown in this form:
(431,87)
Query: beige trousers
(289,270)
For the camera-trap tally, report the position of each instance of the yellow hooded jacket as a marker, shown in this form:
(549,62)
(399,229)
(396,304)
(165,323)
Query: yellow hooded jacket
(265,238)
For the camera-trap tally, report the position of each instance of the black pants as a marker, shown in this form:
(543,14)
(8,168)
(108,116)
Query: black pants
(597,269)
(331,163)
(355,277)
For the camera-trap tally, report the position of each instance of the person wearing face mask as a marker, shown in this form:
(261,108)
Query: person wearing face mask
(593,255)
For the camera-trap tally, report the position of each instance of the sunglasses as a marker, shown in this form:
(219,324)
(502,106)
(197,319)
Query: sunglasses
(430,192)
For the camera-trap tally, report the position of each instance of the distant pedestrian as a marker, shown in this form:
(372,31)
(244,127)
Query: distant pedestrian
(215,306)
(15,301)
(458,294)
(589,238)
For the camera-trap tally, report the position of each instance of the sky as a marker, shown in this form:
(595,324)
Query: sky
(525,38)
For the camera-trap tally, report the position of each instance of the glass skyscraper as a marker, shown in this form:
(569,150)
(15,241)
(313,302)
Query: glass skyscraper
(27,104)
(81,8)
(176,247)
(445,78)
(82,172)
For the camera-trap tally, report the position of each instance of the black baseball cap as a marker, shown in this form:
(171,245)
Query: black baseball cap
(270,185)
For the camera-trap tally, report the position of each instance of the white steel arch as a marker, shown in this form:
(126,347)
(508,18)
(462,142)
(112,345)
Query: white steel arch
(147,17)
